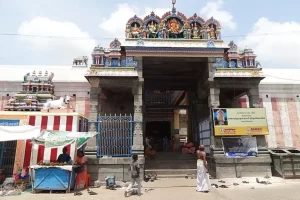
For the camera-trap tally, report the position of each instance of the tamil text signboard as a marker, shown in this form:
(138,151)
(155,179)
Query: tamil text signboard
(9,122)
(240,146)
(240,121)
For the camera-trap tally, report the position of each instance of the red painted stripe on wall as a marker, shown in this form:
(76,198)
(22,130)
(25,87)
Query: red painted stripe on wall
(277,123)
(56,125)
(41,149)
(69,126)
(28,147)
(294,122)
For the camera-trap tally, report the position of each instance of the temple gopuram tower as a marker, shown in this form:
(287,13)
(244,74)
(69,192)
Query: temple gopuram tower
(166,64)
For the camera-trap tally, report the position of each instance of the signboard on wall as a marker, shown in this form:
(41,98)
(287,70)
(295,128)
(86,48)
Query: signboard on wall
(240,146)
(240,121)
(9,122)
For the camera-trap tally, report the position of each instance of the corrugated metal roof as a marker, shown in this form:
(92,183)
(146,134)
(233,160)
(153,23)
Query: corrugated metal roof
(15,73)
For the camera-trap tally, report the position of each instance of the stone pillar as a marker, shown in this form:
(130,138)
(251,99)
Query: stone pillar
(254,102)
(94,110)
(137,90)
(138,144)
(253,95)
(214,102)
(176,120)
(214,98)
(176,128)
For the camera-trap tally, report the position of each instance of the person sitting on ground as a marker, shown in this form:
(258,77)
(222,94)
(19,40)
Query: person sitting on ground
(64,157)
(23,175)
(188,144)
(149,151)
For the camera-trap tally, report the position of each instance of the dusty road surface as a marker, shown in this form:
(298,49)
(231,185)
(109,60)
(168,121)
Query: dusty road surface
(183,189)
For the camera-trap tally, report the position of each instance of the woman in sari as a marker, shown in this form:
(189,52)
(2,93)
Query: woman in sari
(203,183)
(82,170)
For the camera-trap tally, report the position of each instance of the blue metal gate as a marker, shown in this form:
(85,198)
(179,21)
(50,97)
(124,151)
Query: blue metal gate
(7,156)
(205,134)
(114,137)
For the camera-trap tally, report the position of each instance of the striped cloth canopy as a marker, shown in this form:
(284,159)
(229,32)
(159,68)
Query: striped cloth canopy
(53,139)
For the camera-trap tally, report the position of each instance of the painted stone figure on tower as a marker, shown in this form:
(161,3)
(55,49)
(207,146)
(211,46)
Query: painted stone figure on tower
(135,31)
(186,26)
(127,31)
(152,30)
(196,31)
(212,33)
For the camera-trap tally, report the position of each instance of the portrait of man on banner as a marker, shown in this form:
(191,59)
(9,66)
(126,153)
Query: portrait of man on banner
(220,117)
(240,146)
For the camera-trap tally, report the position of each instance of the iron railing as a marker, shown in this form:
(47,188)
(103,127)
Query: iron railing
(114,138)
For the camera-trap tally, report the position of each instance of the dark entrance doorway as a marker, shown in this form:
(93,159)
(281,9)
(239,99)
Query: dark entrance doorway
(158,130)
(7,156)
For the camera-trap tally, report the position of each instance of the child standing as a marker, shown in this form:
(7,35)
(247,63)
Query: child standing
(135,176)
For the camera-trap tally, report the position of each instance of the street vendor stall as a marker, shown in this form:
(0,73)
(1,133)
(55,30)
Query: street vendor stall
(57,176)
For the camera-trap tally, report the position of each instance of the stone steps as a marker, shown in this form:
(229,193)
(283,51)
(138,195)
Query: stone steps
(171,165)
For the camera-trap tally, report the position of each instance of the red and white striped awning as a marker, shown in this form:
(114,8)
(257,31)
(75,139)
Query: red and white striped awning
(37,153)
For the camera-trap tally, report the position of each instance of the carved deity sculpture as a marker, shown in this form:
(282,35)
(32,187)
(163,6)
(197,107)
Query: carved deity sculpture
(127,32)
(196,31)
(174,26)
(212,33)
(152,27)
(189,33)
(145,32)
(186,26)
(135,31)
(161,24)
(152,30)
(203,33)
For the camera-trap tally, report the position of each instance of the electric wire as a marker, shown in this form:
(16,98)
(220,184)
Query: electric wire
(107,38)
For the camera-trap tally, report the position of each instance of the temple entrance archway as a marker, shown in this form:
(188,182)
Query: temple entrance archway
(170,87)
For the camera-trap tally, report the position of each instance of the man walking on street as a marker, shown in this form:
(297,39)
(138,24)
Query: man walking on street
(135,176)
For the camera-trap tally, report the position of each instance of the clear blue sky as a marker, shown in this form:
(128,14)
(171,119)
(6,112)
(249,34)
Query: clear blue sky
(270,27)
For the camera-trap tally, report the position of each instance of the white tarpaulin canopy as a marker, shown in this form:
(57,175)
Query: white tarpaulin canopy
(53,139)
(10,133)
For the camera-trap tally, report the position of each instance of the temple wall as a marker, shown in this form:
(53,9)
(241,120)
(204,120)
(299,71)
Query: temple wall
(282,105)
(117,103)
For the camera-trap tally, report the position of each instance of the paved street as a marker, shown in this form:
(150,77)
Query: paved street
(182,189)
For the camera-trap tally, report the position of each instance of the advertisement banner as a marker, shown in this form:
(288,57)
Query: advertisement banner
(240,146)
(240,121)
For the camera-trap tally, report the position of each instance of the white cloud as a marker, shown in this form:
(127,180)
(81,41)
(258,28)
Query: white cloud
(62,49)
(115,25)
(215,9)
(276,44)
